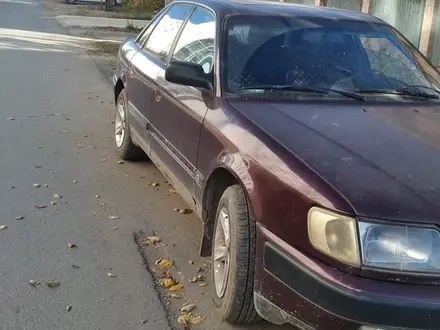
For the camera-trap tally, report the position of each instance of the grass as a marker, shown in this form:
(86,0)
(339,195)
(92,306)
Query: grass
(132,12)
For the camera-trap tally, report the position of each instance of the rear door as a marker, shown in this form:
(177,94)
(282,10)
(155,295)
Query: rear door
(177,111)
(146,64)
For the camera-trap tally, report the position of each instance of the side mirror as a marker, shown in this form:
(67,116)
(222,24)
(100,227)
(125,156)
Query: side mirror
(189,74)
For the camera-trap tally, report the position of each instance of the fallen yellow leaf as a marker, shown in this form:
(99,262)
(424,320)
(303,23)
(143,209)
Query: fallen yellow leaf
(187,319)
(166,263)
(169,282)
(194,320)
(176,287)
(53,284)
(184,319)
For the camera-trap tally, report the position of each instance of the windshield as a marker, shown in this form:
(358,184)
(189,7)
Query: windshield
(310,53)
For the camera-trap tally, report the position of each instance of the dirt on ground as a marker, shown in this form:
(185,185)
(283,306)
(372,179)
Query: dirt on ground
(59,7)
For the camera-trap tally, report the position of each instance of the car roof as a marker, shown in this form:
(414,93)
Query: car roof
(249,7)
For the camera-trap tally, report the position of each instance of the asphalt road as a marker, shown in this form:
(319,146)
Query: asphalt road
(56,140)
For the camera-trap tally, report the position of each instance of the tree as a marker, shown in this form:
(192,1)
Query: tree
(109,4)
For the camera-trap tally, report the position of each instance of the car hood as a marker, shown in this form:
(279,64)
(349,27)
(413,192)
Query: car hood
(385,160)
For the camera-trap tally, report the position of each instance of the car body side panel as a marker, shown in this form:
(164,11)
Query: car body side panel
(176,120)
(143,71)
(125,54)
(281,193)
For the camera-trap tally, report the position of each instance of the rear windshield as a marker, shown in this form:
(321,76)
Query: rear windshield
(320,53)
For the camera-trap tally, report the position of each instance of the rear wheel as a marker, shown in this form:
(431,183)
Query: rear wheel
(233,258)
(125,147)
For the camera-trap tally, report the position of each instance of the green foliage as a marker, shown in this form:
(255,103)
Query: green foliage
(144,5)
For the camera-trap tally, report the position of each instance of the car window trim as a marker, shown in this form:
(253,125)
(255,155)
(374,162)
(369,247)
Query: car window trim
(157,56)
(176,40)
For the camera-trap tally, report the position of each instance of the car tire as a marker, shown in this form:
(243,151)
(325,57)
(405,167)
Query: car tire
(125,147)
(234,287)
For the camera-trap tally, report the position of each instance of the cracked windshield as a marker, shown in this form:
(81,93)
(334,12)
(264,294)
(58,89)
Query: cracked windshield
(219,164)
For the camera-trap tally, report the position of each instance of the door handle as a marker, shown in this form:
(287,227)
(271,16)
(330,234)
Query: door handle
(131,70)
(157,94)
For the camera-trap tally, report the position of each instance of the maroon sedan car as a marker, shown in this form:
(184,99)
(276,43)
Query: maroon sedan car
(307,141)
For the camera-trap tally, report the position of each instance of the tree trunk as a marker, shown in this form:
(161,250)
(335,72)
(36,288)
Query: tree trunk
(109,5)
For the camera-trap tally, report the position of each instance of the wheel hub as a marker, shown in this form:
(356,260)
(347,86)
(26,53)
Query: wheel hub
(222,240)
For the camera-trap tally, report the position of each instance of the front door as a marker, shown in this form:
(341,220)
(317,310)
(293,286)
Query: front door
(146,64)
(177,111)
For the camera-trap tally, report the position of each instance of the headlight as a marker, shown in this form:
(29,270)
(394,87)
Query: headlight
(403,248)
(387,246)
(334,234)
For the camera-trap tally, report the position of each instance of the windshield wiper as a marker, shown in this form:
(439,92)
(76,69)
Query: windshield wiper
(424,86)
(320,90)
(410,91)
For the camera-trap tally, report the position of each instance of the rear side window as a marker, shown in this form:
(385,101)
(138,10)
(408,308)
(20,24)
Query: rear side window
(196,43)
(161,39)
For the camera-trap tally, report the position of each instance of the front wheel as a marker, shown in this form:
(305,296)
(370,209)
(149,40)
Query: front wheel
(233,258)
(125,147)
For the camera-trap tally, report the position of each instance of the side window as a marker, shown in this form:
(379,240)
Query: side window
(147,31)
(161,39)
(196,43)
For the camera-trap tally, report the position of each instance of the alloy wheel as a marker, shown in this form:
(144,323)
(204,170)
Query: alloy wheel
(222,240)
(120,123)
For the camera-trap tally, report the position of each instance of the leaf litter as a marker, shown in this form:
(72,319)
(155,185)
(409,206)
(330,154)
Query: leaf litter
(53,284)
(34,283)
(198,278)
(176,287)
(151,240)
(187,308)
(189,319)
(184,211)
(165,263)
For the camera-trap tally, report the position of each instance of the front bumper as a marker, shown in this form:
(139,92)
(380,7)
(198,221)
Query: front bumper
(292,288)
